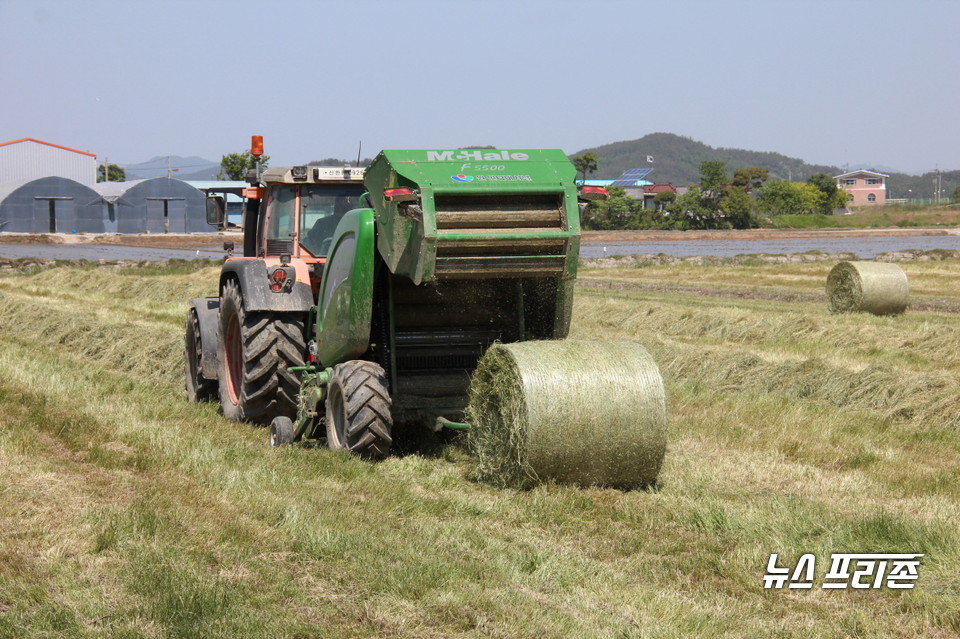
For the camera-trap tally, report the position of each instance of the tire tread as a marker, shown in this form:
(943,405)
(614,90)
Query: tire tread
(367,408)
(272,343)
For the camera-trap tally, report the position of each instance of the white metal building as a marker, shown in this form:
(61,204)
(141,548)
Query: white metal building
(28,159)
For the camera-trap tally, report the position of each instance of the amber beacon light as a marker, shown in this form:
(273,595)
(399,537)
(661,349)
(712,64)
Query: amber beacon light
(256,145)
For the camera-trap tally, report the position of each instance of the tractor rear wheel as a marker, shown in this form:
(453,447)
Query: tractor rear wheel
(256,350)
(358,409)
(198,387)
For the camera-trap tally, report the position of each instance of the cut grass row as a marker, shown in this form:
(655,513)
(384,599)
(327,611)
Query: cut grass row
(129,513)
(928,278)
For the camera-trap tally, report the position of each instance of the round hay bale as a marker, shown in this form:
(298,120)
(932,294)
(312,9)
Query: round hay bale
(577,412)
(880,288)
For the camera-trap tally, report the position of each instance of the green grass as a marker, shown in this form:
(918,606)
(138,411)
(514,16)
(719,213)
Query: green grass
(807,221)
(127,512)
(890,215)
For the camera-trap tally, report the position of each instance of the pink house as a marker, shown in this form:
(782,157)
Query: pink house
(864,187)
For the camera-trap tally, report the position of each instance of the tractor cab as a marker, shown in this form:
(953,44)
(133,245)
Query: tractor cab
(299,219)
(292,213)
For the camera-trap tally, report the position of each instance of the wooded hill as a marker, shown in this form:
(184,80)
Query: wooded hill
(677,161)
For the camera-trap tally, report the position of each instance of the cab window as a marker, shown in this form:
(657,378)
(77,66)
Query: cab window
(280,222)
(321,209)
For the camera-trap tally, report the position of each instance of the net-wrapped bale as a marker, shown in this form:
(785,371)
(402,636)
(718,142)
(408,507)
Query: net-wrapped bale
(576,412)
(880,288)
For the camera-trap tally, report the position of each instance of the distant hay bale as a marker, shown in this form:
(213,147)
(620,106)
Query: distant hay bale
(880,288)
(578,412)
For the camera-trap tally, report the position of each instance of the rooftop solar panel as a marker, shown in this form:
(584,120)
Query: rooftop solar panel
(631,177)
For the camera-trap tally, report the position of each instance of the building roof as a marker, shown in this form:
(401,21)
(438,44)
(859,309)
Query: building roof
(217,185)
(660,188)
(56,146)
(606,183)
(595,182)
(113,191)
(232,189)
(10,187)
(860,172)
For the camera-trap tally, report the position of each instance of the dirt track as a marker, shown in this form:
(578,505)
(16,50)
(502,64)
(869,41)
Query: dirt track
(170,241)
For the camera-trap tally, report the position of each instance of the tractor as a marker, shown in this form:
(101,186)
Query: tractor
(361,304)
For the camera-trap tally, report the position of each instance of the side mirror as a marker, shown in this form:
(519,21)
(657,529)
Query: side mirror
(216,211)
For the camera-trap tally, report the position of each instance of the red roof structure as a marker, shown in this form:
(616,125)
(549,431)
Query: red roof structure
(56,146)
(653,189)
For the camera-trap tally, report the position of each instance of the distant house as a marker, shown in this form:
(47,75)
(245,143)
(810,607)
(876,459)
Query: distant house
(28,159)
(642,190)
(651,191)
(864,187)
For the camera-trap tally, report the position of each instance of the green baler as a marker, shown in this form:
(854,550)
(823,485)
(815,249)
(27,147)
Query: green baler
(461,249)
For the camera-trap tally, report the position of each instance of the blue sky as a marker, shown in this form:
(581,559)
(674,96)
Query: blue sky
(842,82)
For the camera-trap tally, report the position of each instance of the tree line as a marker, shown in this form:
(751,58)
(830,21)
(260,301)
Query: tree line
(717,201)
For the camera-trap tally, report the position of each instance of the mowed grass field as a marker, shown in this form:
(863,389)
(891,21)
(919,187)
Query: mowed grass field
(127,512)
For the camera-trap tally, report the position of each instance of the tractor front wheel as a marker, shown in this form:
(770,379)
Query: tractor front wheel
(358,409)
(281,431)
(256,351)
